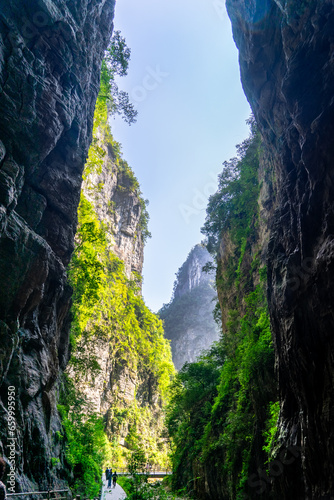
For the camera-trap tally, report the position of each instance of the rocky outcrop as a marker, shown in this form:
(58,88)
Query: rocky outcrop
(121,362)
(50,57)
(111,191)
(286,55)
(191,274)
(188,318)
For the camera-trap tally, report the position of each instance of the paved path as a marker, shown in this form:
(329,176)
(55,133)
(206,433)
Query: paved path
(116,493)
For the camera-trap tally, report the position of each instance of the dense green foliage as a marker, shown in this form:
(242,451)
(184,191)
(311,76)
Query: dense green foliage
(116,62)
(105,301)
(223,410)
(246,386)
(87,444)
(109,314)
(233,207)
(137,486)
(193,395)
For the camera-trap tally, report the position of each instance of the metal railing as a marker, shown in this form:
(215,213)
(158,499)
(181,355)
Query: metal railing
(149,470)
(48,495)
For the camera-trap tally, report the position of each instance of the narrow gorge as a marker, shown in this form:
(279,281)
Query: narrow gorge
(230,384)
(121,363)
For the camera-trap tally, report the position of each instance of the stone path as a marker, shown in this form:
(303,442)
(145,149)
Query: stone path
(116,493)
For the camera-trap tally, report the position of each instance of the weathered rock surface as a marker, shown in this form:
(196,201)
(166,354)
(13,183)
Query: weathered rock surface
(124,385)
(188,318)
(286,58)
(118,205)
(50,57)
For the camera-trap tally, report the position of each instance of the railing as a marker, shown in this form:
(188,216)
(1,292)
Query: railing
(150,472)
(48,495)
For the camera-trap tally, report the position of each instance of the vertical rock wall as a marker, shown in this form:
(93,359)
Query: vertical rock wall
(286,53)
(50,57)
(188,318)
(118,205)
(132,361)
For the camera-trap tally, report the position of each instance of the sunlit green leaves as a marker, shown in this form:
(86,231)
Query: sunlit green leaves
(219,416)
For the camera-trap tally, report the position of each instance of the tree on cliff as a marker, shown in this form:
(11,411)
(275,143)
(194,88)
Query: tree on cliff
(115,63)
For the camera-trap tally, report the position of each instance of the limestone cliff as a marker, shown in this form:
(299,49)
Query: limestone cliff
(188,318)
(50,59)
(117,203)
(127,381)
(286,60)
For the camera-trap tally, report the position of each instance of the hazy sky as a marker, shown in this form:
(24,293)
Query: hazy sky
(184,81)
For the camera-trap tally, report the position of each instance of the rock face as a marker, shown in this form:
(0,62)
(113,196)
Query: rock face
(50,57)
(117,204)
(121,361)
(188,318)
(286,59)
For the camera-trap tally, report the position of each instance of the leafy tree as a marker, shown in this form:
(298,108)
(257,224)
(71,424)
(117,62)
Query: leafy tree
(108,307)
(223,410)
(234,205)
(137,486)
(192,396)
(115,64)
(86,442)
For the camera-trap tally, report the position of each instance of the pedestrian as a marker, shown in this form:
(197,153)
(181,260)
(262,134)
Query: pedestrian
(109,477)
(114,479)
(3,493)
(106,472)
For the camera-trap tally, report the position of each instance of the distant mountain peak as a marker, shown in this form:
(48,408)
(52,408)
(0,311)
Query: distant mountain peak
(188,318)
(191,274)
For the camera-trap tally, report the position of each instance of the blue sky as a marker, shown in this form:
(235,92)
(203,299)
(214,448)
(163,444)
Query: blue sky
(184,81)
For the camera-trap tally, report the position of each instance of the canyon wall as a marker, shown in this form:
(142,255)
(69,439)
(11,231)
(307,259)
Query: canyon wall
(188,318)
(50,59)
(127,381)
(286,59)
(111,191)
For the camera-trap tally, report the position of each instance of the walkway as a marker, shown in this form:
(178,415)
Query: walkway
(116,493)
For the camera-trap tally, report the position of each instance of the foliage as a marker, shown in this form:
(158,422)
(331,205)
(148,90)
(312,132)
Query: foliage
(219,416)
(116,63)
(137,486)
(108,310)
(86,442)
(234,205)
(107,306)
(125,483)
(270,431)
(104,143)
(246,382)
(192,397)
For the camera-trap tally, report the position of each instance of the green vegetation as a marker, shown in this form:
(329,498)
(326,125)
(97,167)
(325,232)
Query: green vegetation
(137,486)
(109,315)
(116,62)
(86,442)
(193,395)
(234,206)
(271,429)
(223,410)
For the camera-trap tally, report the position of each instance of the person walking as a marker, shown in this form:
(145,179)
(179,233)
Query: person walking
(114,479)
(3,492)
(109,477)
